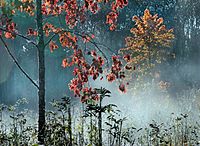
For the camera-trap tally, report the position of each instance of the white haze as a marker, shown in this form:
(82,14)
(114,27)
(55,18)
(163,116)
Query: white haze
(150,102)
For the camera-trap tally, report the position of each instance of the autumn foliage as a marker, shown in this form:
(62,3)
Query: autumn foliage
(9,26)
(74,11)
(149,35)
(82,72)
(148,40)
(113,15)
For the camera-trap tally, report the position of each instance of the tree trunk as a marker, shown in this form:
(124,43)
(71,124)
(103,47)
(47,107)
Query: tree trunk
(41,61)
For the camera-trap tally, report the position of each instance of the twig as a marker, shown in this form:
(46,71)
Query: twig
(80,35)
(16,62)
(20,35)
(106,47)
(50,40)
(95,44)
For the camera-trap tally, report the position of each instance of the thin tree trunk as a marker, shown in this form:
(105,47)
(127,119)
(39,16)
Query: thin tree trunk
(70,123)
(91,130)
(100,123)
(82,127)
(120,132)
(41,61)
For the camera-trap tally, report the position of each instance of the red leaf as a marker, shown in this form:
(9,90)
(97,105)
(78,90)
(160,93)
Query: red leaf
(65,63)
(122,88)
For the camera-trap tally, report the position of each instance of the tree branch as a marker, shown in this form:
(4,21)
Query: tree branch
(16,62)
(92,42)
(80,35)
(95,44)
(50,40)
(100,44)
(20,35)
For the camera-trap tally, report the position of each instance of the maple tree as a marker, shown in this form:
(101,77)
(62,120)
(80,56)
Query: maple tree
(148,42)
(75,13)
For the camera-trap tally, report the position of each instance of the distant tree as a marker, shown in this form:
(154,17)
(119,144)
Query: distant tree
(148,42)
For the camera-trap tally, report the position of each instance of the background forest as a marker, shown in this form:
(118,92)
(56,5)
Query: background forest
(162,100)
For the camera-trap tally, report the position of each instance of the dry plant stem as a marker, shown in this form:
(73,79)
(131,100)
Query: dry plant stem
(100,122)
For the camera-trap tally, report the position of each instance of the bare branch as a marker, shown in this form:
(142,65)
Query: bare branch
(100,44)
(50,40)
(16,62)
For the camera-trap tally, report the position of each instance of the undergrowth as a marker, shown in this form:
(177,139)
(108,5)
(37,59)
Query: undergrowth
(92,124)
